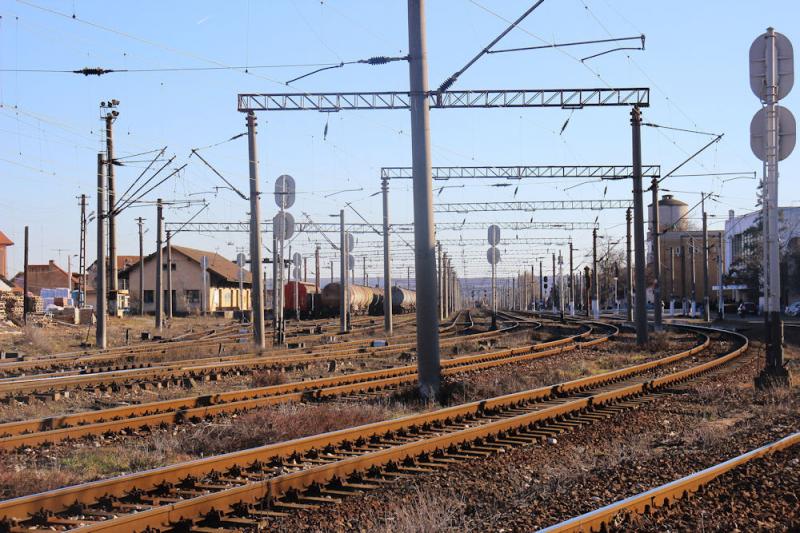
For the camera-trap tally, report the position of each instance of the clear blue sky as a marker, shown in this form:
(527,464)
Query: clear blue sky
(695,64)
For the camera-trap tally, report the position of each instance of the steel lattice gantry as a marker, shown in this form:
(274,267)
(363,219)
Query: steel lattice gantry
(542,205)
(481,98)
(514,172)
(363,228)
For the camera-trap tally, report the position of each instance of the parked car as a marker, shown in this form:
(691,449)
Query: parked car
(747,308)
(793,309)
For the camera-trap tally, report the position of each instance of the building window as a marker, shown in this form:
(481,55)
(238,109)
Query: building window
(164,267)
(192,297)
(148,297)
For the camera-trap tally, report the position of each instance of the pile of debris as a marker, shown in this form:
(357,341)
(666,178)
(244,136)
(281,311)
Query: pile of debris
(12,304)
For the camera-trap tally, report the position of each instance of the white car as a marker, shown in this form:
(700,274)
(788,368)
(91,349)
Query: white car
(793,309)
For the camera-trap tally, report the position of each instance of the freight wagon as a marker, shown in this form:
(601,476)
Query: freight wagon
(308,299)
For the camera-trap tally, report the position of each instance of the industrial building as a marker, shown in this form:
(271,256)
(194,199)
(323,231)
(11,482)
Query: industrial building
(682,255)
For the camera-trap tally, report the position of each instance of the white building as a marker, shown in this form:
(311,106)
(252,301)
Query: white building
(736,241)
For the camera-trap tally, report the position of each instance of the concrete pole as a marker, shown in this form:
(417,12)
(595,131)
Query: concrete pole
(440,276)
(638,228)
(112,218)
(694,277)
(140,220)
(571,282)
(671,281)
(159,296)
(561,299)
(533,286)
(595,284)
(720,293)
(553,285)
(256,257)
(656,234)
(424,239)
(100,280)
(706,288)
(25,278)
(587,283)
(445,277)
(387,261)
(343,308)
(629,266)
(541,287)
(684,309)
(305,270)
(169,274)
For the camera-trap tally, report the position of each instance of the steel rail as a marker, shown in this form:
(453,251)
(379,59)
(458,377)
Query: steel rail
(210,368)
(647,501)
(60,499)
(55,429)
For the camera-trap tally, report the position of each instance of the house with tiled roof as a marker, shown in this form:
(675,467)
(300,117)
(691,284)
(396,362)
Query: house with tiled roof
(5,242)
(48,276)
(221,292)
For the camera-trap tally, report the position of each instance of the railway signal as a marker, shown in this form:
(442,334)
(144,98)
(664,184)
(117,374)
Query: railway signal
(772,138)
(493,257)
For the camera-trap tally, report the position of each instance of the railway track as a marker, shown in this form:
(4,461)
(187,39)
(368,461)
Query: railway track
(53,385)
(646,502)
(243,490)
(144,354)
(35,432)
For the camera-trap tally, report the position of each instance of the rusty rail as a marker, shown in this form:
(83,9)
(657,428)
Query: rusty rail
(645,502)
(396,441)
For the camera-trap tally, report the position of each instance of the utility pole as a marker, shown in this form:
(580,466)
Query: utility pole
(694,277)
(588,287)
(671,281)
(140,222)
(159,266)
(257,292)
(553,285)
(275,326)
(343,260)
(595,284)
(720,293)
(82,257)
(657,319)
(387,261)
(25,303)
(706,288)
(316,276)
(561,284)
(533,286)
(113,272)
(571,282)
(424,255)
(100,280)
(638,227)
(331,281)
(541,286)
(684,280)
(440,291)
(629,266)
(169,275)
(305,269)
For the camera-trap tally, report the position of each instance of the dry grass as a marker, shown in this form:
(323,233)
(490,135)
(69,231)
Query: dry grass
(427,512)
(281,423)
(267,378)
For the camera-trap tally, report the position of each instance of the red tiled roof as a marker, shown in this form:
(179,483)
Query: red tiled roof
(4,240)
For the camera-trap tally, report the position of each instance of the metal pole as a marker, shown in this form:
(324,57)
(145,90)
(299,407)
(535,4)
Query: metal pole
(169,274)
(720,294)
(656,233)
(561,284)
(275,332)
(445,278)
(112,218)
(533,286)
(629,266)
(140,220)
(553,286)
(571,282)
(100,280)
(343,275)
(494,295)
(82,265)
(25,304)
(706,289)
(316,276)
(387,261)
(772,318)
(159,300)
(424,254)
(671,281)
(638,228)
(684,280)
(595,283)
(541,287)
(256,257)
(694,277)
(440,277)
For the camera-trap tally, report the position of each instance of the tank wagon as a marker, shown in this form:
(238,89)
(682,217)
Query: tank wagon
(308,300)
(363,300)
(403,300)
